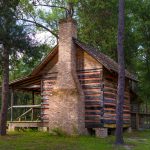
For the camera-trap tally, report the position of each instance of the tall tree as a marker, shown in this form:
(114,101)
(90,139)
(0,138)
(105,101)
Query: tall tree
(121,74)
(6,10)
(5,90)
(15,39)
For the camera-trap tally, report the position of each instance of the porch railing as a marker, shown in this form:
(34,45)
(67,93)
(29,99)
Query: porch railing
(30,112)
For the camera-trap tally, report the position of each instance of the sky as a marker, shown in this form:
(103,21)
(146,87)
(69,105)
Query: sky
(45,37)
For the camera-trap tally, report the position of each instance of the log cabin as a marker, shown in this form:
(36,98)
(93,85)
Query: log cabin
(78,88)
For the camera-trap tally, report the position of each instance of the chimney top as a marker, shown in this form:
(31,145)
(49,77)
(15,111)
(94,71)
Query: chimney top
(69,19)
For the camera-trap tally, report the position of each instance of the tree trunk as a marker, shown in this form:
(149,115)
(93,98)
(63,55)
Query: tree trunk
(5,92)
(121,76)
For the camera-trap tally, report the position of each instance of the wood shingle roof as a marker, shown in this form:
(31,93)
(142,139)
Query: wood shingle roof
(105,60)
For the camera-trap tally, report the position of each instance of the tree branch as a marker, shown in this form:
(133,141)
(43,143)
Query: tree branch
(40,25)
(47,5)
(52,6)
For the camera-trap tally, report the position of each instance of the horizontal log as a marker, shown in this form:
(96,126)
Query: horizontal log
(92,103)
(114,125)
(110,101)
(94,118)
(92,114)
(98,86)
(109,109)
(91,84)
(114,122)
(89,76)
(110,94)
(91,110)
(44,99)
(114,114)
(92,97)
(114,118)
(113,87)
(115,102)
(110,84)
(109,88)
(49,81)
(90,70)
(89,73)
(114,110)
(109,104)
(90,81)
(92,106)
(93,121)
(92,93)
(44,113)
(99,101)
(45,102)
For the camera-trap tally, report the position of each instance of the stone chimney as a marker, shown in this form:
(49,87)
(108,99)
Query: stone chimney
(66,54)
(67,103)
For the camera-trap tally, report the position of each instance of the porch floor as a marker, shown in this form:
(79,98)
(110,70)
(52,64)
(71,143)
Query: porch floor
(12,125)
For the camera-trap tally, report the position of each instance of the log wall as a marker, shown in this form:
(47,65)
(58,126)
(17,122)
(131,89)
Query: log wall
(100,90)
(90,80)
(110,101)
(47,84)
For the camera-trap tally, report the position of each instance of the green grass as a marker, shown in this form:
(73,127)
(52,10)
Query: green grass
(139,140)
(45,141)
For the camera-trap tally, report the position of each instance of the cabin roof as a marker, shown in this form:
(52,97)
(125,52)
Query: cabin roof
(105,60)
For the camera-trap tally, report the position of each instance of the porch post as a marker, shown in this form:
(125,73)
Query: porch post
(12,103)
(32,97)
(32,115)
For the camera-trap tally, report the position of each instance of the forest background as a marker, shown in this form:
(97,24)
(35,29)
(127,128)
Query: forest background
(97,26)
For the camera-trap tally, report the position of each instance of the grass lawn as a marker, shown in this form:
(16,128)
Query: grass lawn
(45,141)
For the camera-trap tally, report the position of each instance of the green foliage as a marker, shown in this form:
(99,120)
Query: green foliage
(99,28)
(100,24)
(24,64)
(142,29)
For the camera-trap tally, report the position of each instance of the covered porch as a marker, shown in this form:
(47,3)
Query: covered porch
(25,103)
